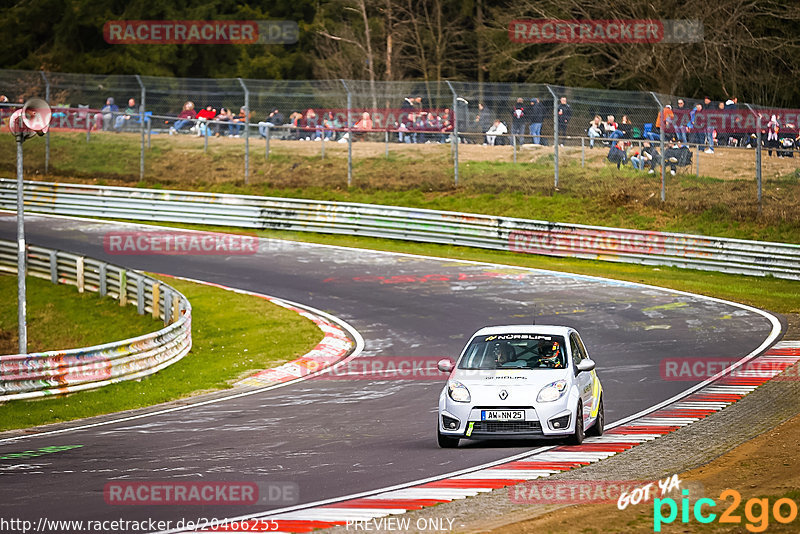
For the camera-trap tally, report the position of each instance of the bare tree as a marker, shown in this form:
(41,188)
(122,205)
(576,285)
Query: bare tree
(744,43)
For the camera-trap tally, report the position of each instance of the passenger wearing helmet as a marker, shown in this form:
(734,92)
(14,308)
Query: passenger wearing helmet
(550,354)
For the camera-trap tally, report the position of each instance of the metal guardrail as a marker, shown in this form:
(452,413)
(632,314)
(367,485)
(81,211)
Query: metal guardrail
(465,229)
(25,376)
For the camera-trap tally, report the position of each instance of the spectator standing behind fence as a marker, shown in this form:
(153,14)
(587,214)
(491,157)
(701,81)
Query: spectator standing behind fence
(664,122)
(498,128)
(536,113)
(105,119)
(518,122)
(564,116)
(5,111)
(773,129)
(483,121)
(185,118)
(275,118)
(680,121)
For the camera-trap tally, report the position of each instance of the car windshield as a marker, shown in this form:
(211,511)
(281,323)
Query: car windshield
(515,351)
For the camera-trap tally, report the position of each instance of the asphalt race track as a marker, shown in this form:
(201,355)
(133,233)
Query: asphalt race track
(341,437)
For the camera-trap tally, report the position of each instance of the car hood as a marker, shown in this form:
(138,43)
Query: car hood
(508,378)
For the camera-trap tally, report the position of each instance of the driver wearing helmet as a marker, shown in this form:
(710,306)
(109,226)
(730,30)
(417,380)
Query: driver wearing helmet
(503,353)
(550,354)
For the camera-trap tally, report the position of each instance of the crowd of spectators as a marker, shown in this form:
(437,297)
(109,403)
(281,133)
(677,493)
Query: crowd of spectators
(415,122)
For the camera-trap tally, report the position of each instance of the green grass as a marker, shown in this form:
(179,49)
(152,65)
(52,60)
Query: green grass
(59,317)
(233,335)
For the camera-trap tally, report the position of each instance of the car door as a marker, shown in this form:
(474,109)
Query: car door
(584,380)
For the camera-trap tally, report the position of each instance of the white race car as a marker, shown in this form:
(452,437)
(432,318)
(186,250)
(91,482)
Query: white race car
(513,382)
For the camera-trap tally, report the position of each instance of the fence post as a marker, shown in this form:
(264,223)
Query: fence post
(555,136)
(583,152)
(455,139)
(661,144)
(156,292)
(88,125)
(386,142)
(266,146)
(54,267)
(322,142)
(22,254)
(167,301)
(79,274)
(349,137)
(205,136)
(123,287)
(246,130)
(143,127)
(697,147)
(140,295)
(46,135)
(102,273)
(758,153)
(514,142)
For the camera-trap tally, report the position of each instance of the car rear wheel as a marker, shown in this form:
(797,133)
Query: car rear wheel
(599,423)
(577,437)
(446,442)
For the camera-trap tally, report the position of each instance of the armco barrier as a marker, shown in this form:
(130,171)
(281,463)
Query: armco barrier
(484,231)
(24,376)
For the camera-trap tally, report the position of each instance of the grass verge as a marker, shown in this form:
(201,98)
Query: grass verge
(233,335)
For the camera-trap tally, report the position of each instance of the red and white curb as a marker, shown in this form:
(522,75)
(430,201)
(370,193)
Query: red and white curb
(706,400)
(334,347)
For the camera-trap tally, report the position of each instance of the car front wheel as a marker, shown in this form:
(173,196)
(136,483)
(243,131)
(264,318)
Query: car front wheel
(446,442)
(577,437)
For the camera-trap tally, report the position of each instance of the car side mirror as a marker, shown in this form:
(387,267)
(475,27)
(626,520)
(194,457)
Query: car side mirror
(445,365)
(585,365)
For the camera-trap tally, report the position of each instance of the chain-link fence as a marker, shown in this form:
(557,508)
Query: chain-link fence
(550,125)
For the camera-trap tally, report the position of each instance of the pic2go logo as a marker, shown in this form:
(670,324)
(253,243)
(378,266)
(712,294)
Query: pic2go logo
(756,511)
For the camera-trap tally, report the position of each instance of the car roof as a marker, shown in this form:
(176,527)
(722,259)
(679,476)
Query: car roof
(525,329)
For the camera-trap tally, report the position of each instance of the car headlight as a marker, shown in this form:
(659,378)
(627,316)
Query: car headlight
(458,392)
(552,392)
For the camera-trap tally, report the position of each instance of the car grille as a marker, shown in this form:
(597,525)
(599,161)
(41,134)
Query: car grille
(507,427)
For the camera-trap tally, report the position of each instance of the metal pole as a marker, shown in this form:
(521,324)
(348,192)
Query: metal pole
(758,162)
(514,142)
(322,141)
(758,153)
(207,125)
(88,125)
(349,138)
(21,268)
(47,135)
(386,142)
(661,144)
(583,152)
(142,118)
(555,136)
(455,132)
(697,147)
(266,146)
(246,130)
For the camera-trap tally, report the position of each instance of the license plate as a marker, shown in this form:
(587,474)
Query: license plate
(502,415)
